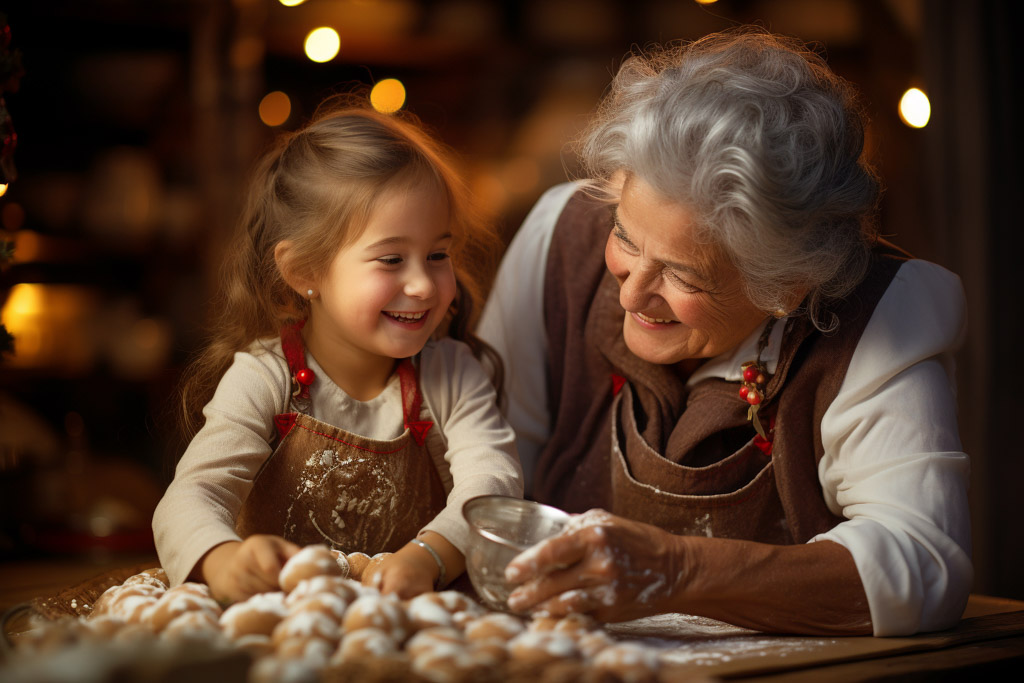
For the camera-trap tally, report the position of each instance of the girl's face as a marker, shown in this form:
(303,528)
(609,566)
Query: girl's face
(384,294)
(683,299)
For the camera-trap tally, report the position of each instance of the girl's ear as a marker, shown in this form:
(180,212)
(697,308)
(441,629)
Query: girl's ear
(282,257)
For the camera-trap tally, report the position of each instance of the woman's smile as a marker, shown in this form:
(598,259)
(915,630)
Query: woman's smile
(652,322)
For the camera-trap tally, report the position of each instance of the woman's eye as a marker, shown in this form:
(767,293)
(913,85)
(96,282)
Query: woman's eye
(623,239)
(390,260)
(682,284)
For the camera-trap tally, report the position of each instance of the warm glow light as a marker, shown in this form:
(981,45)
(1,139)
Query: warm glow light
(53,326)
(915,109)
(3,189)
(25,301)
(706,2)
(322,44)
(275,108)
(388,96)
(20,315)
(291,3)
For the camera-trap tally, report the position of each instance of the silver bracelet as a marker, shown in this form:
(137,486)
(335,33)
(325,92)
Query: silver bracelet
(437,558)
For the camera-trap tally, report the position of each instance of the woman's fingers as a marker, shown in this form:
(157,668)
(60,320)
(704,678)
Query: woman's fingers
(546,588)
(603,565)
(559,551)
(579,600)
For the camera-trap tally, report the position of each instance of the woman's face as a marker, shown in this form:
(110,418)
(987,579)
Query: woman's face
(683,299)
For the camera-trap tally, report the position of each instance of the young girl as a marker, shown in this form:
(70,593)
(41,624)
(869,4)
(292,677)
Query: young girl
(348,406)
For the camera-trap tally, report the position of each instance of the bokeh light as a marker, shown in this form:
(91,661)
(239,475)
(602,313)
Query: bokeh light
(322,44)
(275,108)
(706,2)
(3,189)
(388,96)
(291,3)
(915,109)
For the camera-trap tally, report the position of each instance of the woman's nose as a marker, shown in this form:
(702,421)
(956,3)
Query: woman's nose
(636,287)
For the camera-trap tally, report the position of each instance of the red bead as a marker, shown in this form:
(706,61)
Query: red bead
(749,373)
(305,377)
(743,391)
(754,397)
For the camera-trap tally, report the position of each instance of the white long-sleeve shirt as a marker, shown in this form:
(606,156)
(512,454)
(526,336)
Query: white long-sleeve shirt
(216,473)
(892,466)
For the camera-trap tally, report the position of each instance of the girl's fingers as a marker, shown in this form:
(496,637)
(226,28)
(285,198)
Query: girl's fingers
(286,548)
(269,555)
(266,562)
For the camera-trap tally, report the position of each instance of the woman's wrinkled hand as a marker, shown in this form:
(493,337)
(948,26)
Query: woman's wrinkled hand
(237,570)
(611,568)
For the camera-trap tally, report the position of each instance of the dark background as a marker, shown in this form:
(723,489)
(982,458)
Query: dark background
(137,122)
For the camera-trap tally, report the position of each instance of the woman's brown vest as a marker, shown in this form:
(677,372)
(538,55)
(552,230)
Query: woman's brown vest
(683,458)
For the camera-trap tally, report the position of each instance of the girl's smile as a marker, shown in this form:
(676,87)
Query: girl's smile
(412,321)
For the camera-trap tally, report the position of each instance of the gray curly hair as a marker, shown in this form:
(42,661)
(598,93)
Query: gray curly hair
(764,142)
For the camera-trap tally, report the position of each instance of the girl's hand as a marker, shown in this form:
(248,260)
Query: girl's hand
(413,570)
(406,573)
(611,568)
(237,570)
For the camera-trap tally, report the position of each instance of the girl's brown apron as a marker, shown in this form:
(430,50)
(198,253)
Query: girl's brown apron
(323,484)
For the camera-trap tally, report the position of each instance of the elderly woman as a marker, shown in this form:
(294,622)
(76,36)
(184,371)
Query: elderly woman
(708,340)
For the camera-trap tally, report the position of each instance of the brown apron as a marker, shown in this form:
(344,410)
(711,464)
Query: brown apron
(323,484)
(734,497)
(634,438)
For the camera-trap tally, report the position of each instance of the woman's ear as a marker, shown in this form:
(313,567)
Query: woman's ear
(285,265)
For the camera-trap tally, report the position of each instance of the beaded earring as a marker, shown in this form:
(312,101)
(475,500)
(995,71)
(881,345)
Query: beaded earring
(309,293)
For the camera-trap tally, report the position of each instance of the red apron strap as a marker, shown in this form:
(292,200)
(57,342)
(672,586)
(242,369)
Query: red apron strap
(295,353)
(412,401)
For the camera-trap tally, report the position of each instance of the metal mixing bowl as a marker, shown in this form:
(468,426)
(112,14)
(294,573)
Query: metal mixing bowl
(502,527)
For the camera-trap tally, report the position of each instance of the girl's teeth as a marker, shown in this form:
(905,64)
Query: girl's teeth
(406,317)
(654,320)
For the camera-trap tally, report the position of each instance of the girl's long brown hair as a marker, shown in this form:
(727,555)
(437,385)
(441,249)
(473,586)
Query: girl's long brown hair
(317,187)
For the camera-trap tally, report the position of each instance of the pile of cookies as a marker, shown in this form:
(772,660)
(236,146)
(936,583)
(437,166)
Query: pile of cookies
(325,625)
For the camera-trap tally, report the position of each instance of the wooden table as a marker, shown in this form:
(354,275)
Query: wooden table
(988,642)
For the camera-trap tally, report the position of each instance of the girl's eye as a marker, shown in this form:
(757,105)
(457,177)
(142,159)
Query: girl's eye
(438,256)
(390,260)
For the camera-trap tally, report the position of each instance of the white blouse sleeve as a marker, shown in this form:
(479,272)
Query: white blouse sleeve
(214,476)
(893,464)
(513,323)
(479,444)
